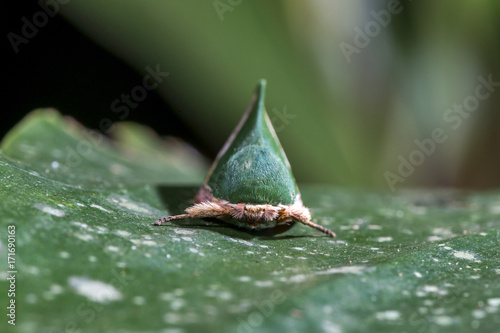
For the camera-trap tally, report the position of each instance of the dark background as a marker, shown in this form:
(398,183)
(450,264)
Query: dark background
(352,119)
(62,68)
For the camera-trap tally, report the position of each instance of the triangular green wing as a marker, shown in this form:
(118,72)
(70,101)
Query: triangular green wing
(252,167)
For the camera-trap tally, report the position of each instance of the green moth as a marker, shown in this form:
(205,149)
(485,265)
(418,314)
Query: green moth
(250,183)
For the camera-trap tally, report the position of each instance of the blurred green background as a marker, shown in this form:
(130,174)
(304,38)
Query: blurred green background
(351,85)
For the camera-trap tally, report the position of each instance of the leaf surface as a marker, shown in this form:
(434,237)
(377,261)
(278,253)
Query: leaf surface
(89,258)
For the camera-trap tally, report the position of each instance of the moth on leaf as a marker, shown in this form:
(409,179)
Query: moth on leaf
(250,183)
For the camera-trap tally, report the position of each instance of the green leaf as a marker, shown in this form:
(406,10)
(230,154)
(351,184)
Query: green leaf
(88,258)
(86,158)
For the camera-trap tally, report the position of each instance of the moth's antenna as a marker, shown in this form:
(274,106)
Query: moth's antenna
(318,227)
(170,218)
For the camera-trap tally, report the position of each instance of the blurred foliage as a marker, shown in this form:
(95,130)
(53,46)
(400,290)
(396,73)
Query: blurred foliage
(350,119)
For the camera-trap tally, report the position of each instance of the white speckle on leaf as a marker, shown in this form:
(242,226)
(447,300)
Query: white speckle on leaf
(100,208)
(126,203)
(54,164)
(50,210)
(388,315)
(383,239)
(478,314)
(92,259)
(113,248)
(54,290)
(179,292)
(121,264)
(443,320)
(32,270)
(94,290)
(268,283)
(346,227)
(31,298)
(226,295)
(241,241)
(327,309)
(344,270)
(143,242)
(80,204)
(84,237)
(298,248)
(187,239)
(193,250)
(101,230)
(244,278)
(118,169)
(423,310)
(439,311)
(122,233)
(80,224)
(463,255)
(431,289)
(177,304)
(330,327)
(417,274)
(374,227)
(64,254)
(494,302)
(183,231)
(495,209)
(166,297)
(298,278)
(445,232)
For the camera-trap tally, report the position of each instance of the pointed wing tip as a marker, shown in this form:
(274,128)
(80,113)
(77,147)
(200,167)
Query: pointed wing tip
(261,92)
(261,87)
